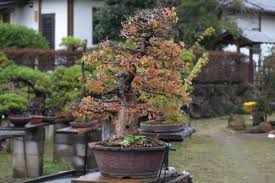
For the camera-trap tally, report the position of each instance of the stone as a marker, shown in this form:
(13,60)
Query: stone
(31,147)
(32,168)
(64,150)
(266,127)
(80,149)
(236,122)
(78,162)
(37,134)
(63,139)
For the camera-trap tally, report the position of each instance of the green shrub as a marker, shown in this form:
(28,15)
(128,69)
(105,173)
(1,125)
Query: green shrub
(65,86)
(18,36)
(30,77)
(4,61)
(12,103)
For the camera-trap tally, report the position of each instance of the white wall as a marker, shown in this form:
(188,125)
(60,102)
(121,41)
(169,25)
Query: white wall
(25,16)
(59,7)
(83,20)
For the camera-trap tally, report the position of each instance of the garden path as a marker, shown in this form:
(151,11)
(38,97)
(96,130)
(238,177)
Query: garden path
(216,154)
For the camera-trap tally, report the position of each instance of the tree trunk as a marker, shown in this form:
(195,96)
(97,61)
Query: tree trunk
(126,122)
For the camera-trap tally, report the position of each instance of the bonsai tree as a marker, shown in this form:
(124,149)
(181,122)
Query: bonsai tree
(11,103)
(73,43)
(148,74)
(30,83)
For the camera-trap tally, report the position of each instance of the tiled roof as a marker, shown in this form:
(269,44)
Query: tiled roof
(260,5)
(267,6)
(257,37)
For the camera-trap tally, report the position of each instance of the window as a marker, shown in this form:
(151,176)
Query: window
(95,22)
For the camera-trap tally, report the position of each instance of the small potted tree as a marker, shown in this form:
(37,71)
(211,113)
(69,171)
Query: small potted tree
(13,105)
(138,78)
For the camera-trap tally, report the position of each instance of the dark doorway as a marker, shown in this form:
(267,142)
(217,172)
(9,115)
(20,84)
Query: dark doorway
(48,28)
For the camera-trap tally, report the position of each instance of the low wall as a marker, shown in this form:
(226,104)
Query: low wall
(212,100)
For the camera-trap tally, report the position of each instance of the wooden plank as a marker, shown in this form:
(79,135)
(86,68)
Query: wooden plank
(98,178)
(77,130)
(29,126)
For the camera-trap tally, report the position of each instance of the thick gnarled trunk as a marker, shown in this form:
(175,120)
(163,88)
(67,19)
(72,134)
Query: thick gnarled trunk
(126,123)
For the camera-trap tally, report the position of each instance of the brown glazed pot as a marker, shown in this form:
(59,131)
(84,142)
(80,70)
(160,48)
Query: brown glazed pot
(37,119)
(121,162)
(83,124)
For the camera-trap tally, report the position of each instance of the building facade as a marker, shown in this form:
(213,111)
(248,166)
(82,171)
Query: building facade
(55,19)
(256,22)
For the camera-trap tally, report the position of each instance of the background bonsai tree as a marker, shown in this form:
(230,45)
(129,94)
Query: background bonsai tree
(24,81)
(11,103)
(150,74)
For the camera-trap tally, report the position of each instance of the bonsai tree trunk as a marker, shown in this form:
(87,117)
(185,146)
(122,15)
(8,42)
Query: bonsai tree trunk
(127,118)
(126,122)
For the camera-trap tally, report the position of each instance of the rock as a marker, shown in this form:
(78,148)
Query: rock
(236,122)
(264,127)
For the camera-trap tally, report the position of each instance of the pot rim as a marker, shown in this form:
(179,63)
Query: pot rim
(127,149)
(178,125)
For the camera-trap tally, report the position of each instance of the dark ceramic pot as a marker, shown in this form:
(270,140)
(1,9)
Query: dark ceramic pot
(129,162)
(83,124)
(19,121)
(161,128)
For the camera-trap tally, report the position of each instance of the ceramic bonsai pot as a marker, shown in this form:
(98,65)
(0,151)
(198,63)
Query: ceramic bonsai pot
(36,119)
(19,121)
(83,124)
(122,162)
(160,128)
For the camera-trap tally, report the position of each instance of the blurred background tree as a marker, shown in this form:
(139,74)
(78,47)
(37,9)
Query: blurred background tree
(194,18)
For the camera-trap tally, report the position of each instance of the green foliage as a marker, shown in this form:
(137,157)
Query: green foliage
(18,36)
(73,41)
(194,18)
(52,167)
(132,139)
(197,16)
(239,110)
(11,102)
(30,77)
(4,61)
(65,86)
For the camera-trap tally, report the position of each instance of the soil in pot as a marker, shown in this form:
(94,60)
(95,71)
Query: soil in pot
(138,160)
(37,119)
(18,120)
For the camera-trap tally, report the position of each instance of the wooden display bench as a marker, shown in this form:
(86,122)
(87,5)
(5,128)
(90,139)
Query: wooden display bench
(96,177)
